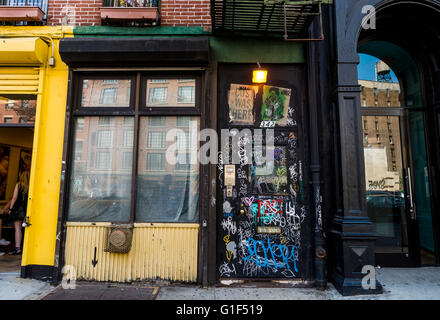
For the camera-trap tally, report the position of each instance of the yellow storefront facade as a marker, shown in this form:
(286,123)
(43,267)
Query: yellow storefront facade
(30,66)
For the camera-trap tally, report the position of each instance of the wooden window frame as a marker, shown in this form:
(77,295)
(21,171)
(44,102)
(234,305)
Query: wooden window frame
(137,108)
(145,110)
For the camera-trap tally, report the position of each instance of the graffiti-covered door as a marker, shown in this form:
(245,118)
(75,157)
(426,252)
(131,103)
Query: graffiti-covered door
(262,217)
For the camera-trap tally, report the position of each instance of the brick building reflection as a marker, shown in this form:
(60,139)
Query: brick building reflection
(381,136)
(17,111)
(103,151)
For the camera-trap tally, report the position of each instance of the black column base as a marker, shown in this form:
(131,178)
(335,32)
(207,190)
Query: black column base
(351,245)
(353,286)
(40,272)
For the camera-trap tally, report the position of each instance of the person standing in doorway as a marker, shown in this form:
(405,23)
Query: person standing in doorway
(15,210)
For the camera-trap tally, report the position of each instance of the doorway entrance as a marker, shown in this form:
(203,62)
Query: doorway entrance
(398,187)
(262,218)
(17,117)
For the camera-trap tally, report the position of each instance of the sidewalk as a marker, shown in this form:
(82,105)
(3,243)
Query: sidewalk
(12,287)
(398,284)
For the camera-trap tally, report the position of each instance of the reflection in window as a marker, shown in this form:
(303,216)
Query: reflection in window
(79,123)
(183,140)
(156,161)
(100,185)
(156,140)
(183,161)
(379,85)
(105,139)
(106,93)
(127,160)
(183,121)
(78,150)
(128,138)
(110,82)
(105,121)
(10,105)
(108,96)
(271,176)
(18,111)
(103,160)
(185,95)
(156,121)
(158,95)
(167,191)
(384,179)
(171,93)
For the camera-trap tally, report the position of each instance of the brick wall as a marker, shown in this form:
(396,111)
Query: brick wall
(187,13)
(74,12)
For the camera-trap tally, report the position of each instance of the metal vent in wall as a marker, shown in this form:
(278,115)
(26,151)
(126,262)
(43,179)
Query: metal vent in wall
(119,238)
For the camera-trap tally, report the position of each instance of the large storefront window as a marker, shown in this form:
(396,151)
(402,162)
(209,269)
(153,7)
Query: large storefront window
(100,183)
(111,127)
(167,189)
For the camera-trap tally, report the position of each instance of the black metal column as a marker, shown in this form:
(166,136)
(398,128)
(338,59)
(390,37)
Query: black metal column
(351,233)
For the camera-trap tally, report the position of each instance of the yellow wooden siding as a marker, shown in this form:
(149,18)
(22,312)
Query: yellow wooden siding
(159,251)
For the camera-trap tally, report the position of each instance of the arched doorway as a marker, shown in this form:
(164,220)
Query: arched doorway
(400,151)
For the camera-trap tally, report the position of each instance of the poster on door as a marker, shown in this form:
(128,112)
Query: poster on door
(275,106)
(241,101)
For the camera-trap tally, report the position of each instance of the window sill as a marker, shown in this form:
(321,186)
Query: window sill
(11,13)
(116,14)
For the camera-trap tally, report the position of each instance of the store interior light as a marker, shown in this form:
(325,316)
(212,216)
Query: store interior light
(259,75)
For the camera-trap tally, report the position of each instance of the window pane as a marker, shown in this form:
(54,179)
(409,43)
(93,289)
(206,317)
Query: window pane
(269,176)
(385,188)
(158,95)
(156,140)
(167,189)
(185,94)
(156,121)
(105,138)
(106,93)
(127,160)
(379,85)
(128,138)
(17,111)
(155,161)
(171,92)
(100,184)
(159,80)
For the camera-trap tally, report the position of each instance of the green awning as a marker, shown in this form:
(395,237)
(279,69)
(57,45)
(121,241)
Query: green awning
(270,17)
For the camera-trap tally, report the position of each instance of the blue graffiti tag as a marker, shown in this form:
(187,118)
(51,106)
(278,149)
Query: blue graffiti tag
(274,255)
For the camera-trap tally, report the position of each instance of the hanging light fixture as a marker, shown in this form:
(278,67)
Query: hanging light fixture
(259,75)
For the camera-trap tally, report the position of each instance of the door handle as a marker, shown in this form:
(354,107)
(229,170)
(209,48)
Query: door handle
(411,200)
